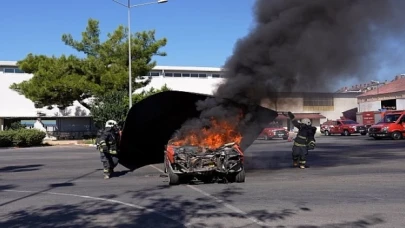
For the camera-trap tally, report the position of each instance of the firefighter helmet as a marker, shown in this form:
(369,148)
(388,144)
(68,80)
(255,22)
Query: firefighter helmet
(306,121)
(110,123)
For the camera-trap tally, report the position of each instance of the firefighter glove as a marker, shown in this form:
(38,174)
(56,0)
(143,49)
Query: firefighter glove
(291,116)
(311,145)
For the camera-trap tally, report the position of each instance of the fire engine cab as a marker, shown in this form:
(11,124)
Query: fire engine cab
(391,125)
(344,127)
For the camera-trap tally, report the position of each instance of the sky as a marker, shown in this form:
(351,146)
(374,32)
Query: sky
(199,32)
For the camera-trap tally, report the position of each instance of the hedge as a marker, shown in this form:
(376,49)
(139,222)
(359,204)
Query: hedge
(21,138)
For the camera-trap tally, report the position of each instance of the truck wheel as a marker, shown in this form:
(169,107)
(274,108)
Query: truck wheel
(346,133)
(174,179)
(396,135)
(327,133)
(240,177)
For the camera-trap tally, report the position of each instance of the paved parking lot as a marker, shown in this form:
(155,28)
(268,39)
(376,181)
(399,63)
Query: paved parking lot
(353,182)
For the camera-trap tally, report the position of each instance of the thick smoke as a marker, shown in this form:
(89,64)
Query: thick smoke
(304,46)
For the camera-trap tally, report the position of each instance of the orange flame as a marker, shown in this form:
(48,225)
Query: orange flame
(219,133)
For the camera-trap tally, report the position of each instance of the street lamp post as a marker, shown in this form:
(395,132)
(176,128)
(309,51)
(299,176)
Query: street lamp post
(129,7)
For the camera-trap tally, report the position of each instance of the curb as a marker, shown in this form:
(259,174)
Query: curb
(75,144)
(84,145)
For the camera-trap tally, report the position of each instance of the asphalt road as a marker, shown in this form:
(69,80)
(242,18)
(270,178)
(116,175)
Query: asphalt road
(352,182)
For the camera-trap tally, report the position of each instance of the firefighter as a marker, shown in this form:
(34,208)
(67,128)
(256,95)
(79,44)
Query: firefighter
(108,144)
(304,141)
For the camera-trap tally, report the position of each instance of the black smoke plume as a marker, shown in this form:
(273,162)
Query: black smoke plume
(304,46)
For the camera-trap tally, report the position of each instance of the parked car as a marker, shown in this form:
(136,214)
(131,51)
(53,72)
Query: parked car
(342,127)
(392,125)
(273,131)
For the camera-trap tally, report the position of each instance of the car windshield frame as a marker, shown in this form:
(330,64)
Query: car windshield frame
(395,115)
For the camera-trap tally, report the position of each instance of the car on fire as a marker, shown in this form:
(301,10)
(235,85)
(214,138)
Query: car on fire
(392,125)
(185,163)
(344,127)
(273,131)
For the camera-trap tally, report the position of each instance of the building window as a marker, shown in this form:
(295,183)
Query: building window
(216,75)
(154,74)
(177,74)
(318,104)
(186,75)
(9,70)
(13,70)
(169,74)
(194,75)
(202,75)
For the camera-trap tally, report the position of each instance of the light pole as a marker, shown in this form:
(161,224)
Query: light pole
(129,7)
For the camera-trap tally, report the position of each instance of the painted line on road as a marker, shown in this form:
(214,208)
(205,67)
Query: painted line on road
(101,199)
(227,205)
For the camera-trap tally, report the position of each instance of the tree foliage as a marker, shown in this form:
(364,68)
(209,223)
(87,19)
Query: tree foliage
(62,80)
(114,105)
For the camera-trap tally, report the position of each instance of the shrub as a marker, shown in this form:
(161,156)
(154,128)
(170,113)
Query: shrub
(6,138)
(21,138)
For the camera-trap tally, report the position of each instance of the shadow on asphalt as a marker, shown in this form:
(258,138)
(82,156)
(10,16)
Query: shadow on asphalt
(7,187)
(162,211)
(329,154)
(20,168)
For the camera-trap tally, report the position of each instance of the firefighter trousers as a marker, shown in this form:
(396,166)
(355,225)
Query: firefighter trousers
(109,162)
(299,154)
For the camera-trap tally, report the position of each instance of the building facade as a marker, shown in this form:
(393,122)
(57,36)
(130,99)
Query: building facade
(389,96)
(15,107)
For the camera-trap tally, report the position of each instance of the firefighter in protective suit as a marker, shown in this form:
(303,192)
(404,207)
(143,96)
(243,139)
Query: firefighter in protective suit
(108,145)
(304,141)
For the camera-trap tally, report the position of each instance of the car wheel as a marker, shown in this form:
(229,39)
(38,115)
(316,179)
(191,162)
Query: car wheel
(240,177)
(346,133)
(174,179)
(396,135)
(165,164)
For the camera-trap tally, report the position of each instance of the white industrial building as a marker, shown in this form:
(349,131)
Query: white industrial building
(76,119)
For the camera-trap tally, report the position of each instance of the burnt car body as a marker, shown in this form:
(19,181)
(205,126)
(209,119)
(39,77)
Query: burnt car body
(151,123)
(183,163)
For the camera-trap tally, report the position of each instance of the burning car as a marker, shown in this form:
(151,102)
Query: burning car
(207,154)
(183,163)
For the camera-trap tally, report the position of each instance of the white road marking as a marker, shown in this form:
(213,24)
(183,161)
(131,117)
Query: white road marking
(227,205)
(100,199)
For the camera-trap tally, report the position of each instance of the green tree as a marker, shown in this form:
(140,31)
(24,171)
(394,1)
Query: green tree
(62,80)
(114,105)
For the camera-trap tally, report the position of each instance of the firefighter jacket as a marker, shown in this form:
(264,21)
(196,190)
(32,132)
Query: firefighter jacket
(305,136)
(108,141)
